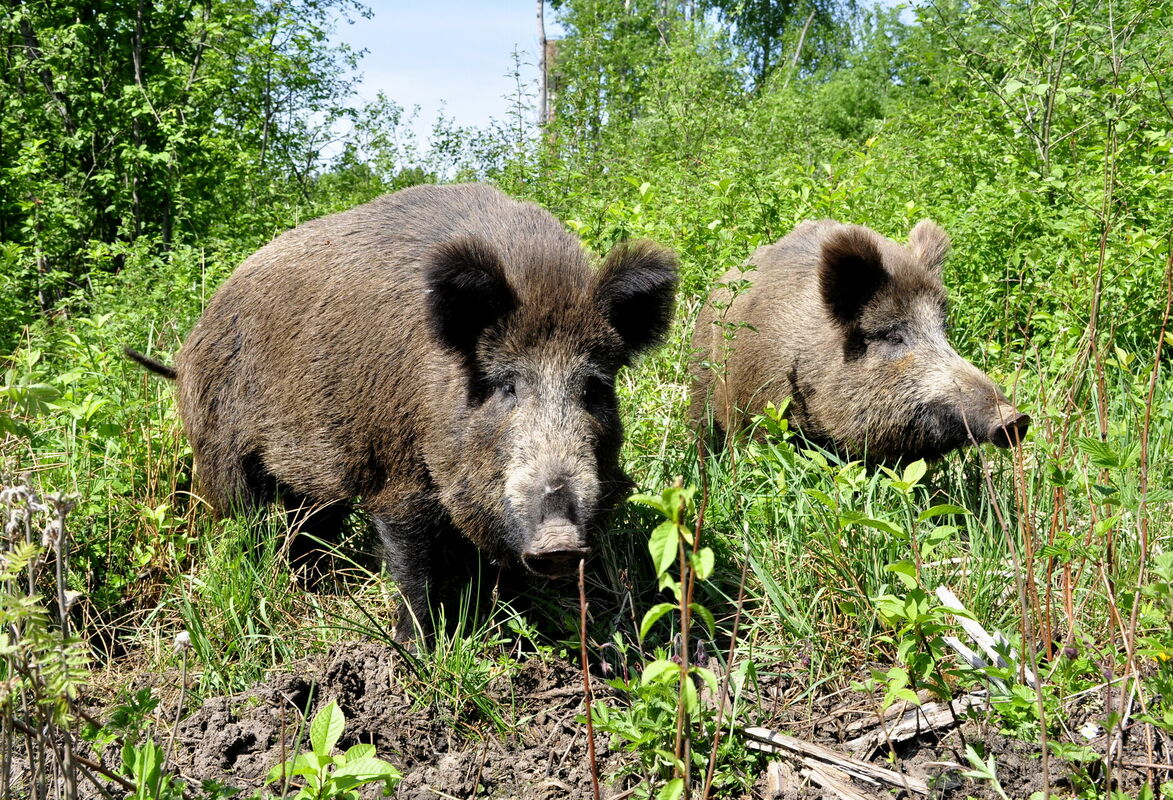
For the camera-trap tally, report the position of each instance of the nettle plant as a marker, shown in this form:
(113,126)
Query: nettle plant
(666,714)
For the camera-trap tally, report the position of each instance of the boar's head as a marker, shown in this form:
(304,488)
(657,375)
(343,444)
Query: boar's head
(534,464)
(906,392)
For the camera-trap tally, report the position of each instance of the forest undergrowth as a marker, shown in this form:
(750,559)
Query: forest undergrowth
(769,585)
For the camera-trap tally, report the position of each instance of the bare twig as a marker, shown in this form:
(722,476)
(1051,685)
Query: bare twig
(1145,430)
(722,696)
(688,584)
(587,698)
(798,50)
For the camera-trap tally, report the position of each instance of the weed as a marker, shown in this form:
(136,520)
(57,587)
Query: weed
(333,777)
(665,721)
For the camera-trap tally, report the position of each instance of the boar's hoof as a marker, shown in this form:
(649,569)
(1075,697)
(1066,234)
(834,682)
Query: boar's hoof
(556,549)
(1010,432)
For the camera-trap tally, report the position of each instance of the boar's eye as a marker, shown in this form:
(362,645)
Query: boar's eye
(507,393)
(890,336)
(594,392)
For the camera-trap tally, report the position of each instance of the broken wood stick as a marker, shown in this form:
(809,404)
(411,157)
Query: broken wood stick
(774,741)
(914,721)
(833,780)
(993,646)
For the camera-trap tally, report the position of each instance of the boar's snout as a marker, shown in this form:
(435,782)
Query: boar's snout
(558,542)
(1010,428)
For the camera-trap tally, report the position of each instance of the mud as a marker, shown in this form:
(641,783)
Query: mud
(542,754)
(530,745)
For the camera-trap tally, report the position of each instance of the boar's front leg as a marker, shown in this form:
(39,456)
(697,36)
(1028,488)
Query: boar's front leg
(409,547)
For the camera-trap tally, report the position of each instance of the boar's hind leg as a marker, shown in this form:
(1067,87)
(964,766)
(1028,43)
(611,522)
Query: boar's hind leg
(410,545)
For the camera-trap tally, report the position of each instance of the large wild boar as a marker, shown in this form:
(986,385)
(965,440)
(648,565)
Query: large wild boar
(445,353)
(850,327)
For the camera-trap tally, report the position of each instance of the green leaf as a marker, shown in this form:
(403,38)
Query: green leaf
(935,537)
(326,728)
(882,525)
(657,670)
(702,563)
(940,511)
(654,614)
(905,694)
(280,771)
(823,498)
(359,751)
(914,472)
(672,790)
(707,676)
(671,584)
(691,700)
(905,571)
(663,545)
(309,764)
(705,615)
(651,501)
(367,769)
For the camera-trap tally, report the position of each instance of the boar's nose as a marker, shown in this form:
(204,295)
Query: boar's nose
(558,542)
(1010,429)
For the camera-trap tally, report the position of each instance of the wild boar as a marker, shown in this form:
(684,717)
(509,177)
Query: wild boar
(445,355)
(848,326)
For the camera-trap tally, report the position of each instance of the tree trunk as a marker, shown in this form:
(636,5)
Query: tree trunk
(542,75)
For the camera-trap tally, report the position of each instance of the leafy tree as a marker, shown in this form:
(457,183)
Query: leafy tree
(769,30)
(169,120)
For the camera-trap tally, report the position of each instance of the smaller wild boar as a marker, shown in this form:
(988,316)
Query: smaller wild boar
(850,327)
(446,356)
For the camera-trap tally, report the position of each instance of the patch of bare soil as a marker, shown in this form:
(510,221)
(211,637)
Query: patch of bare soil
(540,749)
(237,740)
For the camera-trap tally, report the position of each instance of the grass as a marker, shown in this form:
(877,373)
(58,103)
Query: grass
(1049,538)
(1062,545)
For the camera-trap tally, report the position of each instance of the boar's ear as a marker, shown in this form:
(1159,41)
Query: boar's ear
(467,292)
(850,273)
(635,291)
(930,245)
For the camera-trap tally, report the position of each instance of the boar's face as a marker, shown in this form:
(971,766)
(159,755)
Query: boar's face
(538,447)
(907,393)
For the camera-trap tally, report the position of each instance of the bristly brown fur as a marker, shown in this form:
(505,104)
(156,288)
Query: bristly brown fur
(930,244)
(849,328)
(376,353)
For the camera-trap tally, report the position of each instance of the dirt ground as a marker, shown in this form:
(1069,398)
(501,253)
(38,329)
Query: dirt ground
(544,754)
(237,740)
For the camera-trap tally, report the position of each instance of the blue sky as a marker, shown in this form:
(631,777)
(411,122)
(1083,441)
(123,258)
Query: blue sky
(455,52)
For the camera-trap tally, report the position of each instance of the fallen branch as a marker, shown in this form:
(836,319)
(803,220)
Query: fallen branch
(773,741)
(914,721)
(833,780)
(994,646)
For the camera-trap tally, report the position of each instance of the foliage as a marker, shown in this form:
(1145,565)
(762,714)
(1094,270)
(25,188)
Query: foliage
(163,122)
(334,777)
(769,30)
(666,723)
(1038,134)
